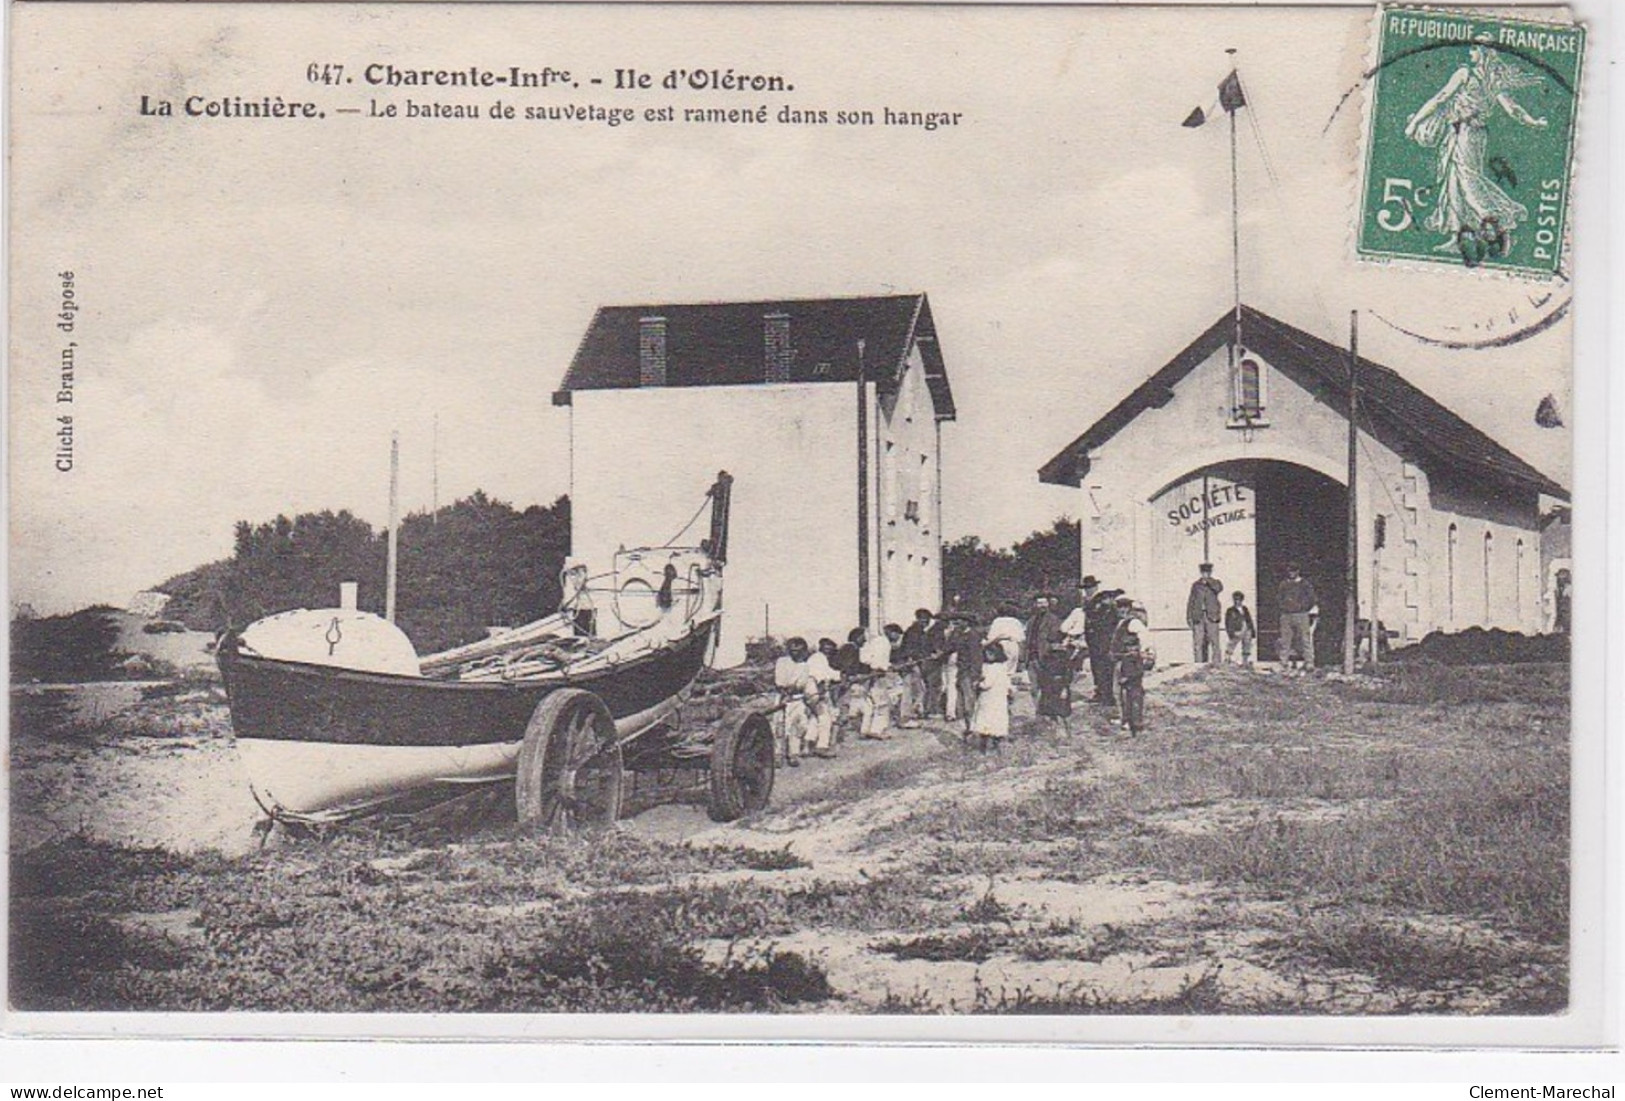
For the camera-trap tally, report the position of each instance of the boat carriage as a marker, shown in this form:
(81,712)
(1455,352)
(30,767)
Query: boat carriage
(336,716)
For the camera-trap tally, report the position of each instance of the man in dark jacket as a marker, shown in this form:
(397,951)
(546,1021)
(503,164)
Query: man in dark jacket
(1299,605)
(1043,638)
(1203,613)
(1100,619)
(1239,628)
(936,660)
(966,643)
(915,650)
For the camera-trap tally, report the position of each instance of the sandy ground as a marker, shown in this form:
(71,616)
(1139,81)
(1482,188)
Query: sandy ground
(162,771)
(180,788)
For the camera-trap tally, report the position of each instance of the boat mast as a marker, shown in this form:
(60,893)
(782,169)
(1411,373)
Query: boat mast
(394,524)
(863,490)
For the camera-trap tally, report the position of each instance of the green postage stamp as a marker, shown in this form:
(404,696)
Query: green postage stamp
(1469,140)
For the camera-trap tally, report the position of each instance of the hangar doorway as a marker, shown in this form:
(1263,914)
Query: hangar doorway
(1250,518)
(1302,518)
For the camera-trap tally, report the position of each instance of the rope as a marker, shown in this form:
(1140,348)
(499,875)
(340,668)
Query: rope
(691,520)
(1289,214)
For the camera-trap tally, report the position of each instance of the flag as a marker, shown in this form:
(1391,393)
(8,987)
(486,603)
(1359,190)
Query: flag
(1231,98)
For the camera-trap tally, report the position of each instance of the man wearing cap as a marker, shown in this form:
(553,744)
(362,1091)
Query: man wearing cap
(1204,613)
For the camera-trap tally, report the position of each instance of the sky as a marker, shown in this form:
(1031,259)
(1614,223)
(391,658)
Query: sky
(264,301)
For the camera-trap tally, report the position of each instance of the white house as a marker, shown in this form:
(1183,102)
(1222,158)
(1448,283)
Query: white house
(791,398)
(1236,453)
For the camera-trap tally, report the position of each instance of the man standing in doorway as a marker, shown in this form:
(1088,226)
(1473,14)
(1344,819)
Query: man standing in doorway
(1298,604)
(1204,612)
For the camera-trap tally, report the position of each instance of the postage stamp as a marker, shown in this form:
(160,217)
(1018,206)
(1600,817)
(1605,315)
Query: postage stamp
(1470,140)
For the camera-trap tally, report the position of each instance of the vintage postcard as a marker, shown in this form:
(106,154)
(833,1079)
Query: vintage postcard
(811,521)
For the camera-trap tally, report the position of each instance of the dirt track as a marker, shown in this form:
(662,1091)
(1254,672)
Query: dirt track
(163,772)
(1272,844)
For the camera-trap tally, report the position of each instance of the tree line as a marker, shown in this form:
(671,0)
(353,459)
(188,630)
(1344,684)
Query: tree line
(476,563)
(977,578)
(480,562)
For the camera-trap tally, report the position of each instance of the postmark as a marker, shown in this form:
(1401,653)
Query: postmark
(1469,142)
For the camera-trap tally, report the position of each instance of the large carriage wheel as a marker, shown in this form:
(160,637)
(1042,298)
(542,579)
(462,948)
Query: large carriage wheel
(742,759)
(570,767)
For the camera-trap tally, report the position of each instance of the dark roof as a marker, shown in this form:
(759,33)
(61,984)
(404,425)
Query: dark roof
(722,344)
(1405,417)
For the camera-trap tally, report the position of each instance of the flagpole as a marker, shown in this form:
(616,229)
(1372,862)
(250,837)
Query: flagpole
(394,525)
(864,612)
(1352,600)
(1235,222)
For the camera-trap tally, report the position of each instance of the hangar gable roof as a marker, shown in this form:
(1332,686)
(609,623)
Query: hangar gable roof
(1427,431)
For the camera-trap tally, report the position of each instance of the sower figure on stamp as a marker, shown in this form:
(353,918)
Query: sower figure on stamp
(1456,120)
(1203,613)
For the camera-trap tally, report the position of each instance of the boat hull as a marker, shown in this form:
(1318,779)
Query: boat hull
(319,741)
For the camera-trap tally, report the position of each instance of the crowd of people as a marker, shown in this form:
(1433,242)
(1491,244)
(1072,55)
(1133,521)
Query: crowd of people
(954,668)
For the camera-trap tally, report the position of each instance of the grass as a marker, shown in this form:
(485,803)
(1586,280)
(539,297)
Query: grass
(500,926)
(519,923)
(1471,811)
(1198,995)
(1408,829)
(980,944)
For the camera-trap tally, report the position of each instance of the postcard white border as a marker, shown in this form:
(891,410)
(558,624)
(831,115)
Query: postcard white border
(1593,1020)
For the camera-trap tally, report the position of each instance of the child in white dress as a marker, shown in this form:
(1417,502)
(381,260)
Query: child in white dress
(992,722)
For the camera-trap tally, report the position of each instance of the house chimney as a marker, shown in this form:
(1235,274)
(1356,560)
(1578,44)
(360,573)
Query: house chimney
(651,351)
(776,346)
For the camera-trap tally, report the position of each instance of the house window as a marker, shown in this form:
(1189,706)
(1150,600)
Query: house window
(1247,395)
(911,511)
(1489,548)
(1450,577)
